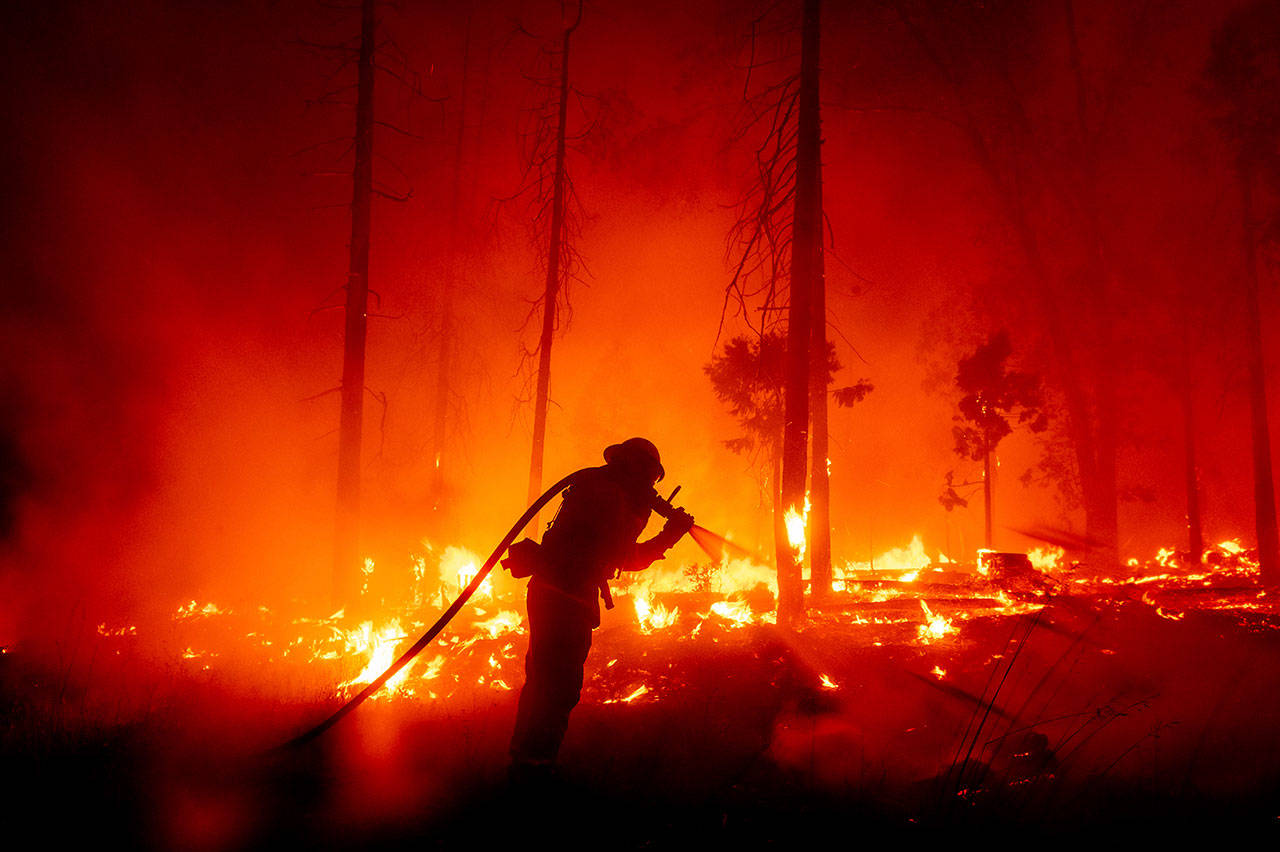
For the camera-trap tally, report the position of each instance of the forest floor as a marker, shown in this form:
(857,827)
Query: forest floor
(1099,713)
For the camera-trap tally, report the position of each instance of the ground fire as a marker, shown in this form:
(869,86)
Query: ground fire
(902,602)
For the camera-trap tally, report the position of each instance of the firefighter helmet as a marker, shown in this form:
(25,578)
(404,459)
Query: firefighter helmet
(640,449)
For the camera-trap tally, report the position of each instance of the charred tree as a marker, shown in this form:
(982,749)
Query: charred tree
(445,338)
(1102,490)
(555,267)
(1264,495)
(1243,88)
(346,566)
(777,250)
(369,52)
(806,274)
(809,176)
(1195,532)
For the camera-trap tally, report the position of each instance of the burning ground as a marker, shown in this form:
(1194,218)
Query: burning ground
(923,695)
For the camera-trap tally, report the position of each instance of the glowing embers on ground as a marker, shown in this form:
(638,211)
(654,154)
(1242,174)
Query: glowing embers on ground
(1224,580)
(902,597)
(639,691)
(340,653)
(506,621)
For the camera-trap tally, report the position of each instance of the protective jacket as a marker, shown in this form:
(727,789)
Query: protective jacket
(593,537)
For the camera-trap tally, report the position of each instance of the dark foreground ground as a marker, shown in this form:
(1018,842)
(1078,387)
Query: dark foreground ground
(1090,718)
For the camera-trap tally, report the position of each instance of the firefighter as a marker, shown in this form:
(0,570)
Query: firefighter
(592,538)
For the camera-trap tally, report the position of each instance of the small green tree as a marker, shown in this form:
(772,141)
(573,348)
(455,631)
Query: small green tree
(749,377)
(994,399)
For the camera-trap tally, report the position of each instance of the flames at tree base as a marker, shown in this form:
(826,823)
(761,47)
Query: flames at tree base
(902,704)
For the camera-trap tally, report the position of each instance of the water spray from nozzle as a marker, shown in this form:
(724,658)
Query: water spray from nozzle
(713,544)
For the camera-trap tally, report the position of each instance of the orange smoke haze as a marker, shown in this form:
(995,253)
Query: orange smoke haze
(164,374)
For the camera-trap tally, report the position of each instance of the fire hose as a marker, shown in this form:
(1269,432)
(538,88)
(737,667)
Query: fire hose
(663,507)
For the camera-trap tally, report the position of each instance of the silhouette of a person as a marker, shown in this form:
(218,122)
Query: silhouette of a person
(592,538)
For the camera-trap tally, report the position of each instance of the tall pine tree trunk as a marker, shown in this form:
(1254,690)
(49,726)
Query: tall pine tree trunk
(1263,486)
(781,545)
(555,257)
(346,564)
(444,366)
(1195,533)
(1102,492)
(986,500)
(819,474)
(806,242)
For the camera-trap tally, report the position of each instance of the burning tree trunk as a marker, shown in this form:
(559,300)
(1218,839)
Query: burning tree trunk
(346,566)
(781,542)
(806,266)
(555,258)
(1263,487)
(819,373)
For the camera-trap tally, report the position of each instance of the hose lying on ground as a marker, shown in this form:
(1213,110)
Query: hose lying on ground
(434,630)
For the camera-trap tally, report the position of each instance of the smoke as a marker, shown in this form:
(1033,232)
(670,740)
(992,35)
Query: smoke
(166,429)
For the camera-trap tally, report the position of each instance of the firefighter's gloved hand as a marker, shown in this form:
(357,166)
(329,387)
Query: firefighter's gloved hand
(679,523)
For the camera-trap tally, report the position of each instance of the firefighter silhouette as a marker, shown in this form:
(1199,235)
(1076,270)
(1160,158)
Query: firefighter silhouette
(591,539)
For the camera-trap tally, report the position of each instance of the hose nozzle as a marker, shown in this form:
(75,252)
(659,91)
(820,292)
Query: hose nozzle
(665,508)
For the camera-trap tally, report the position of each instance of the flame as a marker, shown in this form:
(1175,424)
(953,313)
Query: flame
(935,626)
(796,523)
(483,645)
(380,649)
(652,616)
(737,613)
(459,566)
(506,621)
(1046,559)
(193,609)
(743,575)
(640,690)
(906,562)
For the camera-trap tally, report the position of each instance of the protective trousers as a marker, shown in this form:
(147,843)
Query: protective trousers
(559,638)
